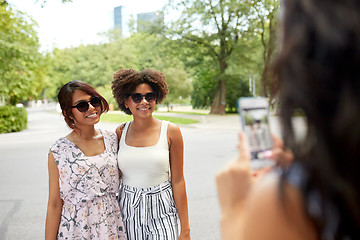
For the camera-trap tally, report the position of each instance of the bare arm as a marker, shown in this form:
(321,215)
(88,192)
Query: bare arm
(119,130)
(254,209)
(177,178)
(265,216)
(276,217)
(55,203)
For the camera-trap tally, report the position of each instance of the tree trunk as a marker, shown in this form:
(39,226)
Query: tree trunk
(263,80)
(219,102)
(267,55)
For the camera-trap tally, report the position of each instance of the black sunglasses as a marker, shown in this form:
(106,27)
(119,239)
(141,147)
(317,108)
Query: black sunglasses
(83,105)
(138,97)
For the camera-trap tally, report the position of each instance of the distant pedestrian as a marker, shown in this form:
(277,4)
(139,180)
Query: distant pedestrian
(152,199)
(83,172)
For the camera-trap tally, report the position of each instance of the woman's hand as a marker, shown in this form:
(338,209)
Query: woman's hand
(283,157)
(235,183)
(235,180)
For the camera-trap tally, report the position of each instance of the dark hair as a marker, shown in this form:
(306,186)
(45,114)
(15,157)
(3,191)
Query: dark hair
(318,71)
(65,99)
(126,80)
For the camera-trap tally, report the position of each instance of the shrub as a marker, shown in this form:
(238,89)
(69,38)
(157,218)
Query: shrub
(12,119)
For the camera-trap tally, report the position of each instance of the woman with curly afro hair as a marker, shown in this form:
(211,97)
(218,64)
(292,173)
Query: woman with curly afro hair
(153,195)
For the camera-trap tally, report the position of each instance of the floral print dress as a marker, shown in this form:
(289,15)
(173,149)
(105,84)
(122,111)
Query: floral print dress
(88,188)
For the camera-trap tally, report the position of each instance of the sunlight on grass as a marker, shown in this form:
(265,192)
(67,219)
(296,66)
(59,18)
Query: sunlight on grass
(176,120)
(189,113)
(119,118)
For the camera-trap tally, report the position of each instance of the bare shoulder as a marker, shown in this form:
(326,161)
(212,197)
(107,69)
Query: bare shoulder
(51,157)
(173,128)
(52,165)
(174,135)
(173,131)
(279,216)
(119,130)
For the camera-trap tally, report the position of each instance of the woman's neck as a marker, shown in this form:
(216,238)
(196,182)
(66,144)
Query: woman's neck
(143,123)
(87,133)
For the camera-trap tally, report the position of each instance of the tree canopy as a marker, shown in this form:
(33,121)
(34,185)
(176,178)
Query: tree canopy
(210,54)
(224,31)
(215,25)
(96,64)
(21,66)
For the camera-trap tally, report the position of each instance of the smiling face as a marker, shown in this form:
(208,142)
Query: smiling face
(89,117)
(144,108)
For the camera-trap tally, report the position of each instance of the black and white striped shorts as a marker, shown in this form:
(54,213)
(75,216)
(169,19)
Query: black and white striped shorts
(149,213)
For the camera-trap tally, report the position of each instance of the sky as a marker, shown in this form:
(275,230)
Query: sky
(64,25)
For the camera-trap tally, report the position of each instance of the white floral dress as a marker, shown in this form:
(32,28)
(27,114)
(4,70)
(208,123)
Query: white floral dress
(88,188)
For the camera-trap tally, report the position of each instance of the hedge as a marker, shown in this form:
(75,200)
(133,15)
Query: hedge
(12,119)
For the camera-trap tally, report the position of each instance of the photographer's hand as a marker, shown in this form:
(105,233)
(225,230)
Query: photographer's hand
(283,157)
(234,183)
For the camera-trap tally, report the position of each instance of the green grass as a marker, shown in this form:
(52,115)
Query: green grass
(176,120)
(119,118)
(190,113)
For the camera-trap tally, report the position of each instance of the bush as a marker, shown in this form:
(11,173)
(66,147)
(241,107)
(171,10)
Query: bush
(12,119)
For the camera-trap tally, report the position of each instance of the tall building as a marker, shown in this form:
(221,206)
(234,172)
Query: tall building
(150,22)
(122,20)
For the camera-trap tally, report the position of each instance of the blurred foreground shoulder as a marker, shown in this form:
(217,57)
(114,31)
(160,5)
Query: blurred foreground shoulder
(271,214)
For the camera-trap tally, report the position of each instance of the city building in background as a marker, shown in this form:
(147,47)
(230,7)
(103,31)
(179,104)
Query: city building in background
(122,19)
(151,22)
(126,22)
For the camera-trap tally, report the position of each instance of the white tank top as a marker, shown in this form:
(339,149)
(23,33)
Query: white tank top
(144,166)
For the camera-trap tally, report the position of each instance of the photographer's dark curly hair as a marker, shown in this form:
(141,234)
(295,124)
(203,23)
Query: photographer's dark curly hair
(65,99)
(318,70)
(126,80)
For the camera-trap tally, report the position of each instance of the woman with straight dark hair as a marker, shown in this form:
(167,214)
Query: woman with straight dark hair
(318,196)
(83,172)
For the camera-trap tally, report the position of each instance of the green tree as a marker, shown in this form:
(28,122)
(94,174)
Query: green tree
(95,64)
(162,54)
(204,73)
(217,26)
(21,64)
(203,70)
(265,24)
(179,84)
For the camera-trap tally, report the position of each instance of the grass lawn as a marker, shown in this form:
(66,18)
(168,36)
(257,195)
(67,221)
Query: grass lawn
(115,117)
(190,113)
